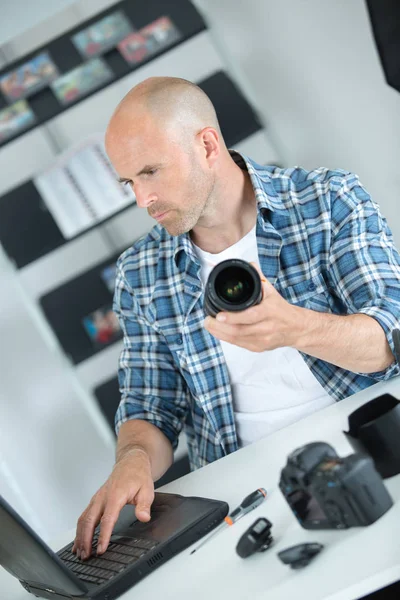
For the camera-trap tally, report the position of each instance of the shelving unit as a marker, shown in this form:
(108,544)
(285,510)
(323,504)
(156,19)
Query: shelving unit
(56,282)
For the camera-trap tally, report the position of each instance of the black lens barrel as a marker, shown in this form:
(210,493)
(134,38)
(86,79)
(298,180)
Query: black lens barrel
(232,285)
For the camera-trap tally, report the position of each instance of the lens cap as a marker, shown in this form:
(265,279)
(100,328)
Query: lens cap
(301,555)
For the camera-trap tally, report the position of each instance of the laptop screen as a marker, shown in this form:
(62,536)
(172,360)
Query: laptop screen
(26,556)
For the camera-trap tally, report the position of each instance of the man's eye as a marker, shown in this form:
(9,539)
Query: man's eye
(151,172)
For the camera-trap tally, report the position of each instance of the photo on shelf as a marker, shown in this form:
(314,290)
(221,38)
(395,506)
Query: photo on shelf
(15,118)
(102,35)
(108,275)
(82,80)
(102,326)
(157,35)
(134,49)
(29,78)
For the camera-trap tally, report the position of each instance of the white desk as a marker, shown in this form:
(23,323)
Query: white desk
(353,563)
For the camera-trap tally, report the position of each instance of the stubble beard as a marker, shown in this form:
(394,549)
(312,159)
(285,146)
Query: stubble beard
(188,220)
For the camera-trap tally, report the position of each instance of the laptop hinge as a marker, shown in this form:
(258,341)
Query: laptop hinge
(49,593)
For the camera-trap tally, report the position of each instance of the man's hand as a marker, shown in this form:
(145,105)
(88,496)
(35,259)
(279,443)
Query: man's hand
(265,326)
(129,483)
(354,342)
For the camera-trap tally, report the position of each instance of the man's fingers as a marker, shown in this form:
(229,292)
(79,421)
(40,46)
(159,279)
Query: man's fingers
(111,513)
(144,500)
(86,526)
(223,320)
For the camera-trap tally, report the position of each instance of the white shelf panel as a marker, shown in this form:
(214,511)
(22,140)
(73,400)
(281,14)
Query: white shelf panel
(99,368)
(64,263)
(86,118)
(129,226)
(22,158)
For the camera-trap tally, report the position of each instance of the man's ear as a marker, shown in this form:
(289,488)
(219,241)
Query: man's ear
(211,144)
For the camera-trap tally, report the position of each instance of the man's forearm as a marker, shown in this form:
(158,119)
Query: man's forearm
(140,436)
(354,342)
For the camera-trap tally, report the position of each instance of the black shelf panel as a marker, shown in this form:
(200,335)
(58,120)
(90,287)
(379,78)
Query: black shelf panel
(236,117)
(108,396)
(27,229)
(66,57)
(66,306)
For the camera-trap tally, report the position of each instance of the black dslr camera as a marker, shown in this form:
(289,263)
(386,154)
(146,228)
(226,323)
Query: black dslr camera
(326,491)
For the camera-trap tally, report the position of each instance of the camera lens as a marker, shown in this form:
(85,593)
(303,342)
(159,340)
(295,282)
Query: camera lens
(233,285)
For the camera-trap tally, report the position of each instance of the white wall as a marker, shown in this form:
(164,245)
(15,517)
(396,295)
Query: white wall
(313,72)
(19,15)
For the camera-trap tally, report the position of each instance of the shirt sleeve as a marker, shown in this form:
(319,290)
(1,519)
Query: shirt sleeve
(151,386)
(364,264)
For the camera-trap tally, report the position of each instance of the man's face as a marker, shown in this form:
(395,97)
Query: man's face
(169,176)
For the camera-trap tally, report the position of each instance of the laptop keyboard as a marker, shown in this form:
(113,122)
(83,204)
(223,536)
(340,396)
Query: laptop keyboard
(118,556)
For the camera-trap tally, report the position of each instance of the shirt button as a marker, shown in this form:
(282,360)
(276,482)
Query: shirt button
(206,397)
(179,340)
(312,287)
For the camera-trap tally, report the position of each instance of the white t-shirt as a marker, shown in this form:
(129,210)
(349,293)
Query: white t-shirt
(270,389)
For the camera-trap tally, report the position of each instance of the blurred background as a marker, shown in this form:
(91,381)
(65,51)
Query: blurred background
(295,82)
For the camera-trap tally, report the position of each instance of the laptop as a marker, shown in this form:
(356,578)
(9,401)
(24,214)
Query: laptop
(135,549)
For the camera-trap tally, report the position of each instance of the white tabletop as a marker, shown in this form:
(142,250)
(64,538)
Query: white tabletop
(353,563)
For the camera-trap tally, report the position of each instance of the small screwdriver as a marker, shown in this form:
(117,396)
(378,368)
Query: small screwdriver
(249,503)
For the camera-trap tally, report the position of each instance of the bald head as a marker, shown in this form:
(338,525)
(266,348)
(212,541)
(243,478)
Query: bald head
(165,142)
(175,105)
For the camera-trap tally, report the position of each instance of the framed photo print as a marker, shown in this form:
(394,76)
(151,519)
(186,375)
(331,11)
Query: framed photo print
(80,81)
(15,118)
(133,48)
(102,35)
(28,78)
(102,326)
(160,34)
(150,39)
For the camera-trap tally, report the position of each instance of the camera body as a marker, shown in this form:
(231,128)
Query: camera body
(326,491)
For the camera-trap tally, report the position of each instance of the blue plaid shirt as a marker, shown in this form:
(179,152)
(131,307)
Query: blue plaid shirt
(322,243)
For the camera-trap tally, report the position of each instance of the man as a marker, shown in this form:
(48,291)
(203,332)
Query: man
(322,331)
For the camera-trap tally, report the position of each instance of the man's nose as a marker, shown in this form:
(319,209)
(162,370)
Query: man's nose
(144,196)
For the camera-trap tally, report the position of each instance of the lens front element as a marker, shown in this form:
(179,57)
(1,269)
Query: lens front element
(234,285)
